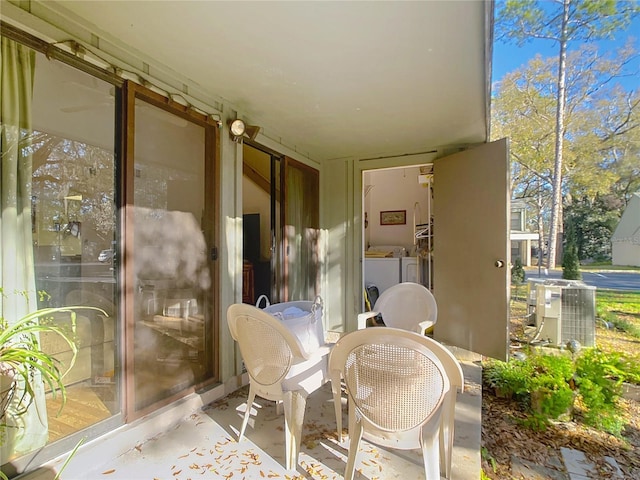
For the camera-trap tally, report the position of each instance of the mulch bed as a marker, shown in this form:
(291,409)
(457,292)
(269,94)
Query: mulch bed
(504,436)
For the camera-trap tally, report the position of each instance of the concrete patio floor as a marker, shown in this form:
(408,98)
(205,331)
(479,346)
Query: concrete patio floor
(204,445)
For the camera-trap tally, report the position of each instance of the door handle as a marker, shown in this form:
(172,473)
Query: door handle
(499,264)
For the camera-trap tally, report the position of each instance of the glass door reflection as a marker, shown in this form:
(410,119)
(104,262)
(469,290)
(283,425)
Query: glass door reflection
(169,256)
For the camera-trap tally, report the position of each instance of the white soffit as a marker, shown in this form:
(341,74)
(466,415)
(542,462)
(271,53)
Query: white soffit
(330,79)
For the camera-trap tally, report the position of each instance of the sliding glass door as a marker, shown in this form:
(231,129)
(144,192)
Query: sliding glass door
(108,200)
(169,209)
(59,236)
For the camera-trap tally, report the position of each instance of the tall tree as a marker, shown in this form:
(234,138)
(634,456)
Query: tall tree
(602,133)
(563,22)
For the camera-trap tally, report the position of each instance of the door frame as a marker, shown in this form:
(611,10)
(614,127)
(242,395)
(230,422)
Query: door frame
(211,229)
(420,159)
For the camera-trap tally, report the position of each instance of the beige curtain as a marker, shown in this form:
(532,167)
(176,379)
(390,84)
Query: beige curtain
(294,230)
(17,66)
(302,233)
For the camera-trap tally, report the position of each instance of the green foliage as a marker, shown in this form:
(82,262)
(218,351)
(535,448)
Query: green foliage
(570,262)
(541,382)
(618,308)
(611,369)
(21,355)
(575,92)
(508,379)
(517,272)
(594,152)
(486,456)
(598,412)
(21,358)
(548,385)
(483,476)
(521,20)
(599,377)
(594,221)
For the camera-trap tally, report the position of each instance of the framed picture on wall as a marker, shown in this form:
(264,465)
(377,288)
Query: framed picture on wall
(393,217)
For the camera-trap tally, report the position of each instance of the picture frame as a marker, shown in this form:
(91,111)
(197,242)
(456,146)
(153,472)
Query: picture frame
(393,217)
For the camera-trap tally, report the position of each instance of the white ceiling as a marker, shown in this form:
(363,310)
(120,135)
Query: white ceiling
(328,79)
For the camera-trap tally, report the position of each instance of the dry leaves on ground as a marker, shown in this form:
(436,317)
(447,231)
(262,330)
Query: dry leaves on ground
(504,436)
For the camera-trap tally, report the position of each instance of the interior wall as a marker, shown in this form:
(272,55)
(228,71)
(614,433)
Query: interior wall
(256,199)
(390,190)
(343,184)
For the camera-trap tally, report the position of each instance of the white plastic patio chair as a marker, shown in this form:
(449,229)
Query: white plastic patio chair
(456,379)
(409,306)
(400,306)
(396,388)
(279,369)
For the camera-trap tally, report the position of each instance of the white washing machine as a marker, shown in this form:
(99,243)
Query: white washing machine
(382,272)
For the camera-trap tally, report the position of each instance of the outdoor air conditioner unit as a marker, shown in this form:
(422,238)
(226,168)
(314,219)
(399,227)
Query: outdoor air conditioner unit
(566,312)
(549,313)
(579,315)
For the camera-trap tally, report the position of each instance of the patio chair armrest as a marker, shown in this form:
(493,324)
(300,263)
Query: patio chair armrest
(321,351)
(424,326)
(363,317)
(324,349)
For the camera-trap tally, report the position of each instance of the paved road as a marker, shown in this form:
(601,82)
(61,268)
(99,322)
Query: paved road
(614,280)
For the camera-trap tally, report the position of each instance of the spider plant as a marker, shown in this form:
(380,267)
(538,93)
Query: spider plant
(23,363)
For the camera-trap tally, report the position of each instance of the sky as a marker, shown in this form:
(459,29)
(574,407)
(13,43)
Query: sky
(509,57)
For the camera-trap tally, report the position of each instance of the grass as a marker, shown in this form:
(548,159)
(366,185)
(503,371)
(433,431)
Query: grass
(620,310)
(598,266)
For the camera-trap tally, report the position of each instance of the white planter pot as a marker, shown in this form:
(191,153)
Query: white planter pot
(8,430)
(7,386)
(7,424)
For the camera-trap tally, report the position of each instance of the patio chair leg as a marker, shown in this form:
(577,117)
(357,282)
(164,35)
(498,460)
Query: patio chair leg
(446,435)
(247,413)
(355,435)
(429,441)
(295,403)
(337,405)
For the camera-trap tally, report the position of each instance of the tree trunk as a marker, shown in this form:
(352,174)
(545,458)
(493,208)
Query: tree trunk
(556,221)
(540,234)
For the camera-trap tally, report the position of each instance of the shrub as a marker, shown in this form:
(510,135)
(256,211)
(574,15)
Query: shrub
(549,384)
(599,377)
(571,263)
(517,272)
(507,379)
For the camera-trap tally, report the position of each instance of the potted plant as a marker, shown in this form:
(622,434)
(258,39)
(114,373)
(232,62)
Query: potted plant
(22,362)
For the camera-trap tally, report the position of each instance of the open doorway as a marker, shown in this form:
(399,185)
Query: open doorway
(260,212)
(281,213)
(398,241)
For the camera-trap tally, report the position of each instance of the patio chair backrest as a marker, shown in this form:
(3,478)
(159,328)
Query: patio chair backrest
(396,388)
(409,306)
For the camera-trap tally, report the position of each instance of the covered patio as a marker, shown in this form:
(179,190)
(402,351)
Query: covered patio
(203,444)
(338,90)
